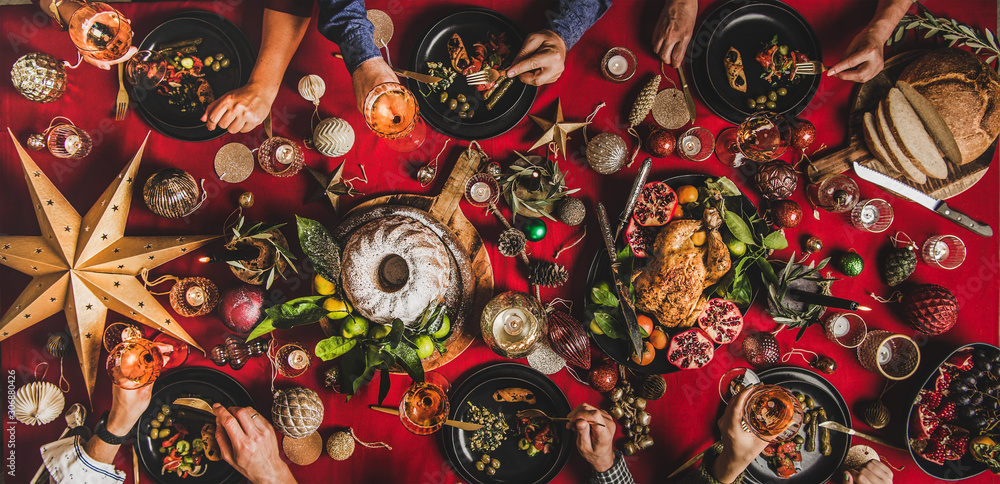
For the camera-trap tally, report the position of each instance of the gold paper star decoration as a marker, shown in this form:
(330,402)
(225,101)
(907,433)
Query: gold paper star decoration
(555,131)
(86,266)
(332,186)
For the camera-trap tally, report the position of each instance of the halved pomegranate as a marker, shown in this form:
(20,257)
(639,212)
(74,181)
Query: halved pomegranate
(961,360)
(923,423)
(721,320)
(639,238)
(690,349)
(655,205)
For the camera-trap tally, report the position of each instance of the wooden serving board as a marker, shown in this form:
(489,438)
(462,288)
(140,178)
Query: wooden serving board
(867,97)
(444,208)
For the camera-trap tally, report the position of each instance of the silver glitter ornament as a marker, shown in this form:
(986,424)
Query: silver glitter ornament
(607,153)
(36,141)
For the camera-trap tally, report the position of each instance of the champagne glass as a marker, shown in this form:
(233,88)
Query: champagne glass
(100,32)
(146,69)
(836,194)
(734,381)
(391,111)
(762,137)
(135,363)
(424,408)
(772,413)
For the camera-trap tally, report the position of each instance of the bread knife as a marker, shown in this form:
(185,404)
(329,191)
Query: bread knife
(624,297)
(633,196)
(469,426)
(935,205)
(687,93)
(829,424)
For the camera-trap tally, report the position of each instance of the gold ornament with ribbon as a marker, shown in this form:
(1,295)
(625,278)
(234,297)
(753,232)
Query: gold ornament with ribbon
(190,297)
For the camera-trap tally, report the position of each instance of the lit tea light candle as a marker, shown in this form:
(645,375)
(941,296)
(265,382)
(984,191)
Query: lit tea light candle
(940,251)
(513,325)
(285,154)
(691,145)
(841,326)
(884,354)
(195,296)
(480,192)
(617,65)
(298,359)
(869,215)
(72,144)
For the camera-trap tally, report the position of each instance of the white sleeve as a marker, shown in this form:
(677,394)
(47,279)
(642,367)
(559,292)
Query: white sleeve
(68,463)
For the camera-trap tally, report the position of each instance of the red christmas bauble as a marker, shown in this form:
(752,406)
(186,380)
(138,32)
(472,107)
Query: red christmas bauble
(930,309)
(603,377)
(242,307)
(804,135)
(761,350)
(661,143)
(786,214)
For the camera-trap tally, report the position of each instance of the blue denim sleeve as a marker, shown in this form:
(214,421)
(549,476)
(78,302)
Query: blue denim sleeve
(345,22)
(575,17)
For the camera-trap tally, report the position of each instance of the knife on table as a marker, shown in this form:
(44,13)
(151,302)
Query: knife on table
(687,93)
(469,426)
(624,297)
(829,424)
(416,76)
(633,196)
(922,198)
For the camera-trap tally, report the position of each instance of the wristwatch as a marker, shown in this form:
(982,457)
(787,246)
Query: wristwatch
(102,432)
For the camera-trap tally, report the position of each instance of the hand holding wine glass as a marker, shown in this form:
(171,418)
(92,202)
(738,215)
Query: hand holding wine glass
(739,446)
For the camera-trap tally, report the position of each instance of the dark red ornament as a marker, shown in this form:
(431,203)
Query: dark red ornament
(785,214)
(930,309)
(761,350)
(776,180)
(568,339)
(242,307)
(825,364)
(804,135)
(661,143)
(603,377)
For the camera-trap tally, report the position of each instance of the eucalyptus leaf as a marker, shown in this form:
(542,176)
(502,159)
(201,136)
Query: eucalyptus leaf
(333,347)
(739,228)
(607,323)
(320,247)
(262,328)
(270,277)
(776,240)
(604,297)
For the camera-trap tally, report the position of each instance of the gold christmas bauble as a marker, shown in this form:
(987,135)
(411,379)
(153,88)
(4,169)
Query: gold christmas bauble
(333,137)
(340,445)
(607,153)
(39,77)
(172,193)
(303,451)
(297,412)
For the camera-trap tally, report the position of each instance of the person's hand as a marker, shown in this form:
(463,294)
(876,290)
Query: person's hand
(247,442)
(873,472)
(369,74)
(739,447)
(542,59)
(593,441)
(673,30)
(242,109)
(863,59)
(126,408)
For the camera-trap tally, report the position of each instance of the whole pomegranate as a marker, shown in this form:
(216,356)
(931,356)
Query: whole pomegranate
(603,377)
(776,180)
(242,307)
(661,143)
(786,214)
(803,135)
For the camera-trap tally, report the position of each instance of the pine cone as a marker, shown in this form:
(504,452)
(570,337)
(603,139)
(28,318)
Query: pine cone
(511,242)
(899,265)
(644,103)
(548,274)
(776,180)
(572,211)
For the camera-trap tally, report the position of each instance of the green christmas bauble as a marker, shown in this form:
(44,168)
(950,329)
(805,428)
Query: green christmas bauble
(850,264)
(534,229)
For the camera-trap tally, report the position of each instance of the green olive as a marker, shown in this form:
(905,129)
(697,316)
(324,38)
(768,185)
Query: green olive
(465,106)
(163,450)
(783,50)
(165,409)
(480,466)
(771,105)
(453,104)
(160,417)
(799,439)
(225,63)
(461,98)
(800,397)
(523,444)
(810,402)
(209,60)
(761,99)
(164,433)
(168,422)
(485,459)
(444,97)
(490,471)
(463,115)
(772,96)
(154,434)
(470,113)
(219,56)
(782,91)
(155,424)
(216,66)
(751,103)
(495,463)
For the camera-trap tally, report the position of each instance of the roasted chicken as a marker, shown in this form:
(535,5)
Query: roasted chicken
(670,285)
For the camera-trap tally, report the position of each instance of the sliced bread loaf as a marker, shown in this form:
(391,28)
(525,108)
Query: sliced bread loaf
(935,124)
(870,130)
(912,138)
(896,155)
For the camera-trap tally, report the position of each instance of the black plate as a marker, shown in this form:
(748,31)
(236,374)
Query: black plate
(213,386)
(516,466)
(815,466)
(620,350)
(747,26)
(963,468)
(472,25)
(219,36)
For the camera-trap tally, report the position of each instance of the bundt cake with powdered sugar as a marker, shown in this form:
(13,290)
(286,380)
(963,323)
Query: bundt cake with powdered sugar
(393,267)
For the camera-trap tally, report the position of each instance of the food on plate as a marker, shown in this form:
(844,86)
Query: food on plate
(494,432)
(537,436)
(184,84)
(778,62)
(488,464)
(447,75)
(457,54)
(174,427)
(394,267)
(785,458)
(515,394)
(491,55)
(734,70)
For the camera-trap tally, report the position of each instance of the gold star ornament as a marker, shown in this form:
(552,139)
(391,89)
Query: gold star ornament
(332,186)
(555,131)
(86,266)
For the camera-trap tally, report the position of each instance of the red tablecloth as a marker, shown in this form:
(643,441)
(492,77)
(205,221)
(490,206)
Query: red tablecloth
(684,421)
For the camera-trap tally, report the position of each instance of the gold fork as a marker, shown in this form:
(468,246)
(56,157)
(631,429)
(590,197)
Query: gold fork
(485,76)
(121,104)
(534,412)
(810,68)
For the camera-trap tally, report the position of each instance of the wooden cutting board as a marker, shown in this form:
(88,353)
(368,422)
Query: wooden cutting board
(445,208)
(867,97)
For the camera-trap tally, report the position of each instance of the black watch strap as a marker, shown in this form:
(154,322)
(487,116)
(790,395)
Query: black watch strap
(108,437)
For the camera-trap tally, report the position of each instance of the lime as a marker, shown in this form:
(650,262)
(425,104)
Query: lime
(445,328)
(337,308)
(605,285)
(379,331)
(425,346)
(736,246)
(594,328)
(353,326)
(850,264)
(322,286)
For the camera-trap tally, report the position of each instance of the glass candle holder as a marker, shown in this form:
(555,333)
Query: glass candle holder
(135,363)
(836,194)
(696,144)
(894,356)
(100,32)
(846,329)
(513,323)
(944,251)
(482,190)
(618,64)
(280,157)
(872,215)
(292,360)
(424,408)
(68,141)
(115,333)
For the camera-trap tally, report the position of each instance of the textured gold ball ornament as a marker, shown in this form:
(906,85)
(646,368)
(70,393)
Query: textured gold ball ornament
(875,414)
(426,174)
(59,345)
(39,77)
(297,412)
(814,244)
(333,137)
(311,88)
(246,200)
(303,451)
(172,193)
(340,445)
(670,109)
(607,153)
(36,141)
(572,211)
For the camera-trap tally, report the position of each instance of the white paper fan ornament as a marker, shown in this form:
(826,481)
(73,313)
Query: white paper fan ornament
(311,88)
(38,403)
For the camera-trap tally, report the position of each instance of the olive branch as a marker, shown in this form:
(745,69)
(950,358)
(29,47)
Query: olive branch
(956,33)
